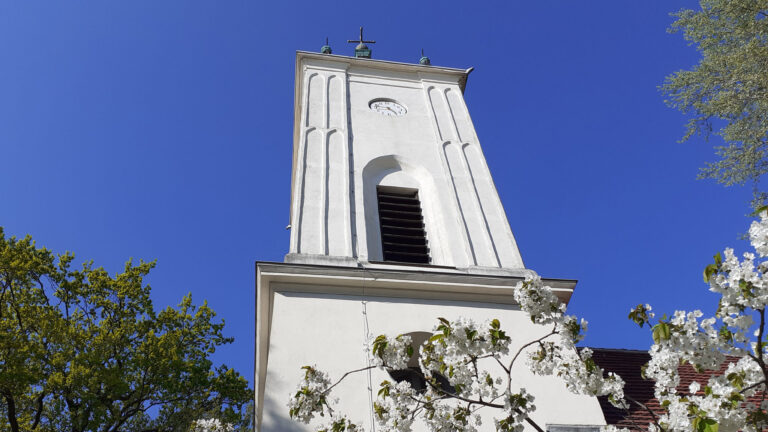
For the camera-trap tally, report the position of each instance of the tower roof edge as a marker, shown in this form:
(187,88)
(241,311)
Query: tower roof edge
(462,74)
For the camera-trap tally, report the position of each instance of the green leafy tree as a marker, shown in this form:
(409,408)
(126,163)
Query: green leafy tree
(727,92)
(81,350)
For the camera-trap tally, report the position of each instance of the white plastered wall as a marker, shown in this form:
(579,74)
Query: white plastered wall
(329,330)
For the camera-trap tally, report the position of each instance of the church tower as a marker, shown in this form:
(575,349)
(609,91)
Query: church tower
(395,221)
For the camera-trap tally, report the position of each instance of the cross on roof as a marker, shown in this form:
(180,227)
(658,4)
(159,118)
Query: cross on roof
(362,41)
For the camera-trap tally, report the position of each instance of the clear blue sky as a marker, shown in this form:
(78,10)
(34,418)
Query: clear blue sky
(163,130)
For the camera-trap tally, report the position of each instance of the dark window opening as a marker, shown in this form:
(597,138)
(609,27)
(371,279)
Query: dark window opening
(403,238)
(413,373)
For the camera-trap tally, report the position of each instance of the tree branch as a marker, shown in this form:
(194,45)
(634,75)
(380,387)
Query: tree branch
(759,347)
(12,420)
(39,411)
(326,391)
(529,344)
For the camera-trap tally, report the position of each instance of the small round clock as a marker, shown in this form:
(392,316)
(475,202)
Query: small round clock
(387,107)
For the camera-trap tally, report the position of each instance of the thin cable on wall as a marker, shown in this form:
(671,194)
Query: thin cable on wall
(366,338)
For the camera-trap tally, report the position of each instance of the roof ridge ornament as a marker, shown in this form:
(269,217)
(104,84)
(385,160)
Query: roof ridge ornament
(326,49)
(424,60)
(362,50)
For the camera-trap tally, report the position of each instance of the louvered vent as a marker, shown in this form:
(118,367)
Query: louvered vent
(402,228)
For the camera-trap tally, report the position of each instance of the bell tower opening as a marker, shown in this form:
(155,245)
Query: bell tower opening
(403,237)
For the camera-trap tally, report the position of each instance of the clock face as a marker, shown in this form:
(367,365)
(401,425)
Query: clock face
(387,107)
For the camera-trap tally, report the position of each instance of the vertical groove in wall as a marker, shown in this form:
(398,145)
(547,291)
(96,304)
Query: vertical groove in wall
(347,198)
(483,250)
(460,117)
(440,108)
(298,196)
(352,228)
(335,211)
(315,100)
(451,113)
(335,103)
(310,231)
(454,165)
(482,196)
(481,241)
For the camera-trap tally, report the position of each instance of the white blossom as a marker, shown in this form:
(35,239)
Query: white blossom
(310,396)
(393,411)
(210,425)
(694,387)
(392,353)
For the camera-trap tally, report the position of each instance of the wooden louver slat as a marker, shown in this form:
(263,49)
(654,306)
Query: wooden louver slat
(403,238)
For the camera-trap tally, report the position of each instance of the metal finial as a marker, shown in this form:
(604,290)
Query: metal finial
(424,60)
(362,50)
(326,49)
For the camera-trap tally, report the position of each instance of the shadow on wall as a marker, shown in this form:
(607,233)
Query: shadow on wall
(276,411)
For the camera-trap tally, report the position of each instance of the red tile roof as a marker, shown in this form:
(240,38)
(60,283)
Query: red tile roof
(628,365)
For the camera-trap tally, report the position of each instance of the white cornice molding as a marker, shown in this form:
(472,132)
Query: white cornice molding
(382,64)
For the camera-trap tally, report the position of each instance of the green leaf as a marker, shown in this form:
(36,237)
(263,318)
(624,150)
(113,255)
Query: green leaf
(706,425)
(746,288)
(725,334)
(379,345)
(639,315)
(760,210)
(709,271)
(661,332)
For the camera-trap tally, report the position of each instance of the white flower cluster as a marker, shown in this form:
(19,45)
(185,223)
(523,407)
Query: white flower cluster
(339,423)
(391,353)
(558,355)
(518,406)
(758,234)
(394,409)
(210,425)
(539,301)
(731,336)
(451,417)
(454,352)
(310,397)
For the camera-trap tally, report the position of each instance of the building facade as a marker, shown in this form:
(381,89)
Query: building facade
(395,221)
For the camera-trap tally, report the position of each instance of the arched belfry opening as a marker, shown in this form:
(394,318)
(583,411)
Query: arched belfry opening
(401,225)
(403,220)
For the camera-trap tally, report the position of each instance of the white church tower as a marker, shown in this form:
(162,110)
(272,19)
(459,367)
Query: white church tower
(395,221)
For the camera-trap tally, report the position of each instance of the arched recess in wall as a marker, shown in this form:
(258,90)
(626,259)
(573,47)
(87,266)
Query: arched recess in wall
(396,171)
(314,100)
(415,375)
